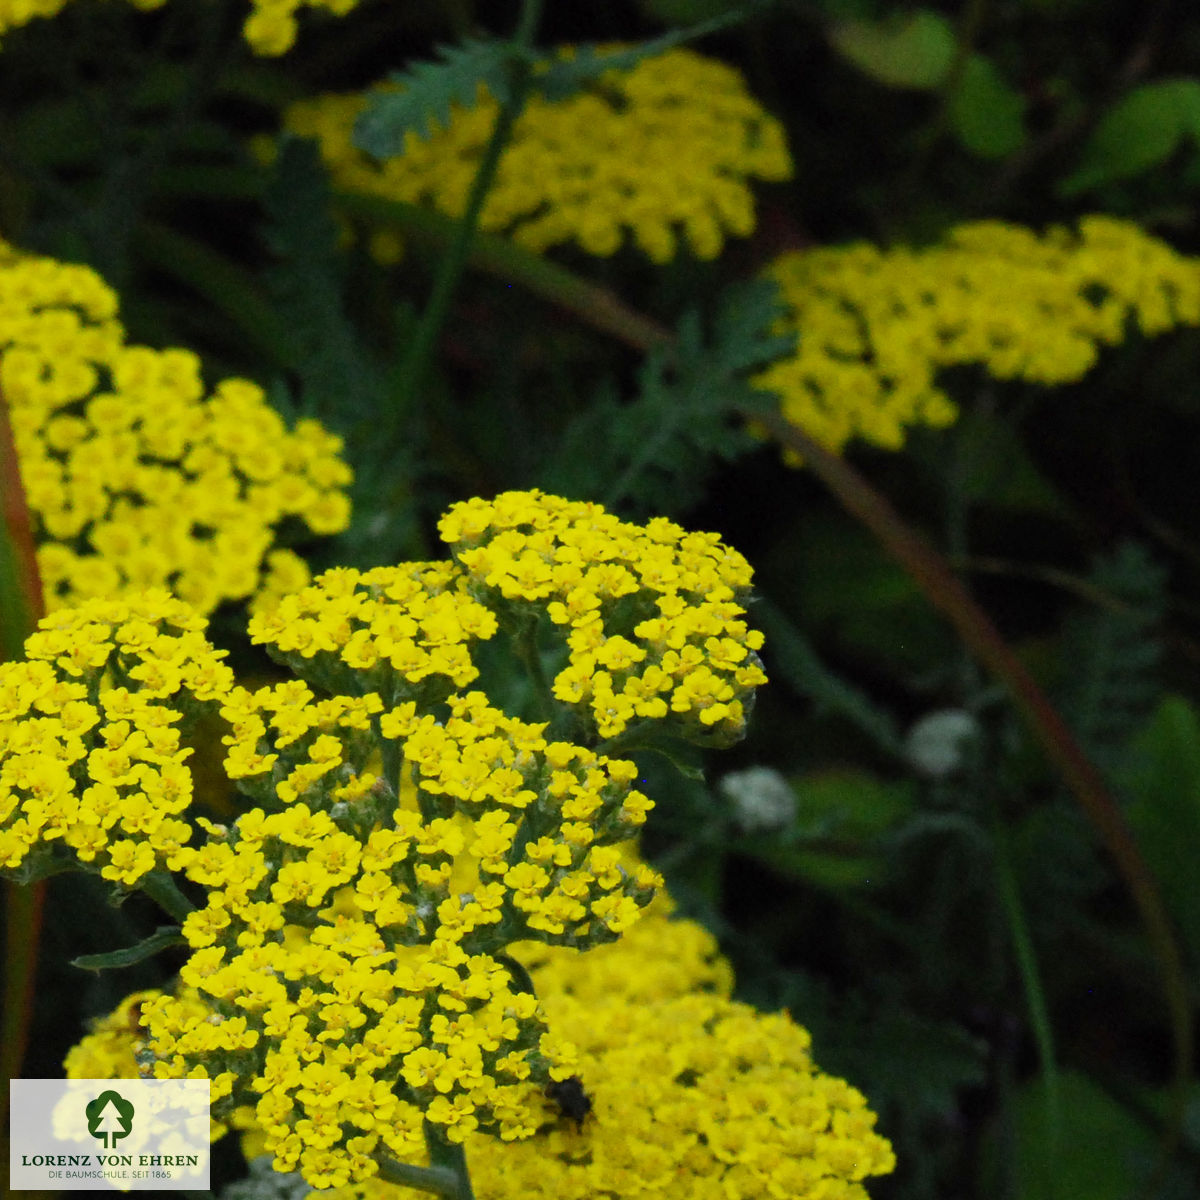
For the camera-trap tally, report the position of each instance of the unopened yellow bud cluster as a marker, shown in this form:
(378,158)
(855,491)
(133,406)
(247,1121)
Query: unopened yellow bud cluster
(134,478)
(651,615)
(661,154)
(270,29)
(691,1093)
(875,327)
(352,948)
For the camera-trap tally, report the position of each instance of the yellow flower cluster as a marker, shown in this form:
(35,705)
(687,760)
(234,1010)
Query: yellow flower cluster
(692,1093)
(875,327)
(352,943)
(652,614)
(270,29)
(91,766)
(662,153)
(399,977)
(133,477)
(404,632)
(352,951)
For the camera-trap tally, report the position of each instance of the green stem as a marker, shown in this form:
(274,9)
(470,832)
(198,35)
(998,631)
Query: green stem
(969,26)
(930,571)
(415,363)
(451,1157)
(1035,996)
(504,259)
(160,887)
(525,644)
(439,1180)
(520,976)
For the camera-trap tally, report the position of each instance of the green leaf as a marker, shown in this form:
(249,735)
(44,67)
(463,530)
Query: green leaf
(222,282)
(986,112)
(904,50)
(1110,654)
(429,91)
(1101,1155)
(796,659)
(340,381)
(160,939)
(562,77)
(998,468)
(1140,131)
(1163,781)
(841,816)
(656,451)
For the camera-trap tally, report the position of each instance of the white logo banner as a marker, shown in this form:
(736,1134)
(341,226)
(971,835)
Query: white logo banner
(130,1135)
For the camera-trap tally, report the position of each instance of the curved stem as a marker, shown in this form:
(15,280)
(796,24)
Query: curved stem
(502,258)
(520,976)
(449,1157)
(438,1180)
(160,887)
(1035,996)
(931,572)
(20,608)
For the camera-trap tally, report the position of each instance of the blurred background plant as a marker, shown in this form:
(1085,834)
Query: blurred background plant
(896,854)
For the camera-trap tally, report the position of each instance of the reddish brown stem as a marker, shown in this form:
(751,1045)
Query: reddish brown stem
(22,602)
(945,591)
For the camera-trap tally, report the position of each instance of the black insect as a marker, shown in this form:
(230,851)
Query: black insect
(571,1099)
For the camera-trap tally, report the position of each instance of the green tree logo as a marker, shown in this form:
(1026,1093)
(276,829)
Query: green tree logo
(109,1117)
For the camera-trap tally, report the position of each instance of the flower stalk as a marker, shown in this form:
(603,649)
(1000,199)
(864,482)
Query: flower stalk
(20,608)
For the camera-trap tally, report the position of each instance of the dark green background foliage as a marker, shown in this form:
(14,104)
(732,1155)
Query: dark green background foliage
(938,912)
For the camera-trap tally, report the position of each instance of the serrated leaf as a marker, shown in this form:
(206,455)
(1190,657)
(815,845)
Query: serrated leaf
(904,50)
(655,451)
(428,93)
(986,113)
(1140,131)
(563,77)
(339,379)
(160,939)
(1110,654)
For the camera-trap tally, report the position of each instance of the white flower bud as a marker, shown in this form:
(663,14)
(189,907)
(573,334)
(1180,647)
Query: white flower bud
(762,799)
(936,743)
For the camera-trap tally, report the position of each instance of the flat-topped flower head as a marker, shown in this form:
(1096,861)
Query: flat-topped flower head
(875,327)
(402,833)
(135,477)
(404,632)
(689,1091)
(92,769)
(660,155)
(651,616)
(270,29)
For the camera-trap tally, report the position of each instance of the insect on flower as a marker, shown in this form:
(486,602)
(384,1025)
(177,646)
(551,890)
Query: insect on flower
(571,1099)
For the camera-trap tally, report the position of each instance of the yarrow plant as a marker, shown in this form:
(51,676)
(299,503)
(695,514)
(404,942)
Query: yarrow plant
(135,477)
(354,946)
(690,1090)
(875,327)
(270,29)
(661,154)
